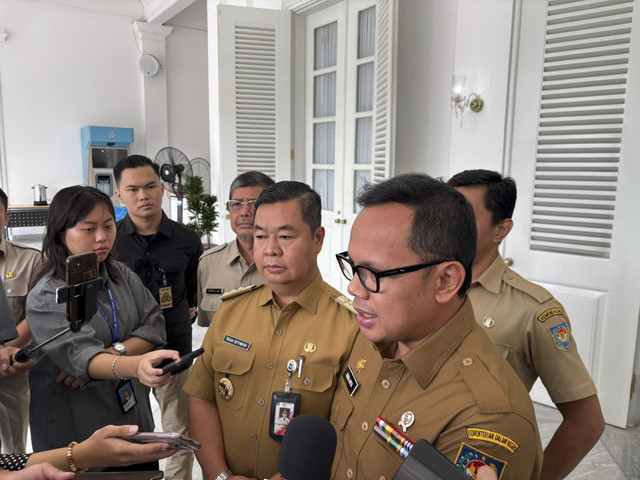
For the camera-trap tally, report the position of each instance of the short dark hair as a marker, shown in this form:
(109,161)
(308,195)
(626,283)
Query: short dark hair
(310,202)
(4,200)
(501,194)
(252,178)
(443,225)
(69,206)
(134,161)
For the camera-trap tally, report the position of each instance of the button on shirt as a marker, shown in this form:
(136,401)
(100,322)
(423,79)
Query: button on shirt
(453,401)
(172,255)
(221,270)
(256,366)
(522,319)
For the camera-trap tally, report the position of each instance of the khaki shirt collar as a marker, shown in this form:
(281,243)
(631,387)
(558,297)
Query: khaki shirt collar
(491,278)
(233,253)
(425,361)
(308,299)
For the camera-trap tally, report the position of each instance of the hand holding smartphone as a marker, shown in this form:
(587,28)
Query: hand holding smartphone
(186,359)
(175,440)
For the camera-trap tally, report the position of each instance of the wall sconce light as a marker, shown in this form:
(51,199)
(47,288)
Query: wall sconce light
(460,100)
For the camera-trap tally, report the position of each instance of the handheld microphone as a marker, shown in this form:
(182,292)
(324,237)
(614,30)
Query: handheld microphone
(308,448)
(426,463)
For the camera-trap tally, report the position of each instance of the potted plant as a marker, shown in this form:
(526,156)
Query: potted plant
(202,208)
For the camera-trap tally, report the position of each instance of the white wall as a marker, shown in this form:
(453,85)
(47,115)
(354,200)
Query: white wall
(187,91)
(435,40)
(426,50)
(60,70)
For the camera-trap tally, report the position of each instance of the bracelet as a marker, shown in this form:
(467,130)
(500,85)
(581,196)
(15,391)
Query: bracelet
(72,465)
(224,475)
(113,368)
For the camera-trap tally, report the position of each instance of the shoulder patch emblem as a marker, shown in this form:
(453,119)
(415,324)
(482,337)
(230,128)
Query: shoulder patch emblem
(550,313)
(469,460)
(494,437)
(345,302)
(239,291)
(562,336)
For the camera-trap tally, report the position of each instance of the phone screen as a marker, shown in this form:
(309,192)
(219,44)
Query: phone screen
(79,268)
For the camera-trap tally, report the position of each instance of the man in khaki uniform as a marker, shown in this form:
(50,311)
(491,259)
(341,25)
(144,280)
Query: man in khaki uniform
(274,347)
(420,362)
(18,265)
(528,325)
(230,265)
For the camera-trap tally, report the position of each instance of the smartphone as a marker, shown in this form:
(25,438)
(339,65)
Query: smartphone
(175,440)
(79,268)
(175,365)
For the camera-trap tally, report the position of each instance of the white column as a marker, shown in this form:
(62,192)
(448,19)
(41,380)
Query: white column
(152,41)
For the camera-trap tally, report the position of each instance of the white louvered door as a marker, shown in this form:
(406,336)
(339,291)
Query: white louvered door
(349,104)
(574,157)
(254,71)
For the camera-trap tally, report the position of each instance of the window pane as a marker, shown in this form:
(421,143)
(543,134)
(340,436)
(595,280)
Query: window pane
(324,91)
(365,87)
(360,178)
(324,142)
(326,49)
(323,184)
(364,132)
(366,32)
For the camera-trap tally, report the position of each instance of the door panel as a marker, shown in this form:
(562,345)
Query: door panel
(611,316)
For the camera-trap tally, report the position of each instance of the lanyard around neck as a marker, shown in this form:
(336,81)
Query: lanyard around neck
(113,326)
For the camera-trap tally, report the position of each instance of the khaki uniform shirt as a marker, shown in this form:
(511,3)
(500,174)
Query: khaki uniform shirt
(18,264)
(464,397)
(221,270)
(250,343)
(533,332)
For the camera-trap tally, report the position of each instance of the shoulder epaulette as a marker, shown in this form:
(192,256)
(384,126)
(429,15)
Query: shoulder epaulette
(213,249)
(240,291)
(26,247)
(344,301)
(540,294)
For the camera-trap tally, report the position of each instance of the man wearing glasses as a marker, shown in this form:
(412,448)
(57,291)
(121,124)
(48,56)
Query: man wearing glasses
(230,266)
(421,363)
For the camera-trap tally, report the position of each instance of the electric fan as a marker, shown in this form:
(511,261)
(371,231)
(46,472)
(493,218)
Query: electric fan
(174,170)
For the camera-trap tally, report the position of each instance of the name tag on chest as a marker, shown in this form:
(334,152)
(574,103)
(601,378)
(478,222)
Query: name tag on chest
(214,291)
(236,342)
(350,380)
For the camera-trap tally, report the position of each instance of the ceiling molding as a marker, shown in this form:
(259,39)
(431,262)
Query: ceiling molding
(160,11)
(131,9)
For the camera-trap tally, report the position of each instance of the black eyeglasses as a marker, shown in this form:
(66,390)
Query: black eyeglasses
(369,277)
(237,205)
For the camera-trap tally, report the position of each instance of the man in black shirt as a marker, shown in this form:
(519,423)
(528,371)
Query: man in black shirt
(164,254)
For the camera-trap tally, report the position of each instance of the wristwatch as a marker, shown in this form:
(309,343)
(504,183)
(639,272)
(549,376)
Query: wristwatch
(224,475)
(121,348)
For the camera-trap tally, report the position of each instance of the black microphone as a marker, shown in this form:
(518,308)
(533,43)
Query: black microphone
(308,448)
(426,463)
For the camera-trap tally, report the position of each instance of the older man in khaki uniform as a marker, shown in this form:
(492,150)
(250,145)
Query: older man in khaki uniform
(528,325)
(273,348)
(421,363)
(18,265)
(230,266)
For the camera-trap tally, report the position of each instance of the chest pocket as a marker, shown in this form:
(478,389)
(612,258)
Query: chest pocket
(211,303)
(235,365)
(315,378)
(16,290)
